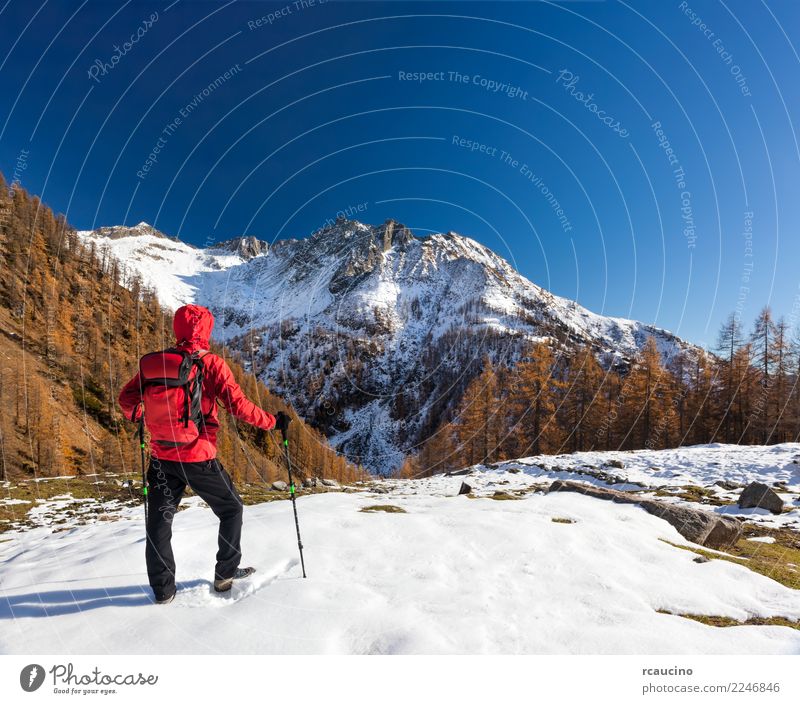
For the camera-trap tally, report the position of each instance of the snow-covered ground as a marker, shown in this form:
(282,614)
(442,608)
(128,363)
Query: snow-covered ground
(701,465)
(452,574)
(647,471)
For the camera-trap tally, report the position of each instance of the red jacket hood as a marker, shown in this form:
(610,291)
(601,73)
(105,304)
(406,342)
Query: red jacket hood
(192,325)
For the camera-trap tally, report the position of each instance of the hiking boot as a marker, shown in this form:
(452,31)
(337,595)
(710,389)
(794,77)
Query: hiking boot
(164,598)
(224,585)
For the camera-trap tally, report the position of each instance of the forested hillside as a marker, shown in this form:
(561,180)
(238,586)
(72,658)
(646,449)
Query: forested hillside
(553,402)
(73,326)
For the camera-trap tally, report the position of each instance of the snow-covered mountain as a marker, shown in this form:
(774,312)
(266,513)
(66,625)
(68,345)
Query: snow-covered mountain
(370,331)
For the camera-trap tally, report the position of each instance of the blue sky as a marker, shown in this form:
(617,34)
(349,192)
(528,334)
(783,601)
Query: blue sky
(539,129)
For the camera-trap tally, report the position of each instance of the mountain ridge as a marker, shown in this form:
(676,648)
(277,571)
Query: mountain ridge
(363,325)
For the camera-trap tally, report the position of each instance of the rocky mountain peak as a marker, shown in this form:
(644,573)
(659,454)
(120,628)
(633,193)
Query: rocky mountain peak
(246,246)
(352,233)
(116,232)
(393,233)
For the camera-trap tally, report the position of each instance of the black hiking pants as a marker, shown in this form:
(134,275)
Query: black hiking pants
(167,481)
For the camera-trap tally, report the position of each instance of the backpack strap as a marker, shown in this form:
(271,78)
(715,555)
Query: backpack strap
(197,360)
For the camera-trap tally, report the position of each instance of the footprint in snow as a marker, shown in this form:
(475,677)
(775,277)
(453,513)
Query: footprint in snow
(203,595)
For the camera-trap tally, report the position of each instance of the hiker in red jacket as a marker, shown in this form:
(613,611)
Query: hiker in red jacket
(173,465)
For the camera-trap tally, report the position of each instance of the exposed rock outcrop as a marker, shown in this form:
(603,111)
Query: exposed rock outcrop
(701,527)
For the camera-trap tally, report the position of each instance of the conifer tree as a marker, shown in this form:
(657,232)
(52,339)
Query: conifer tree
(534,397)
(763,357)
(729,340)
(478,423)
(582,407)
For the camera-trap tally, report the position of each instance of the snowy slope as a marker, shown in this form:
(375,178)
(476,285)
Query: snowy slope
(452,575)
(370,331)
(722,470)
(172,268)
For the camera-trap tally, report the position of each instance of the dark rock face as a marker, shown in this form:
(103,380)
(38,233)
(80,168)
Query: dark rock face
(758,495)
(245,247)
(364,248)
(394,233)
(701,527)
(465,489)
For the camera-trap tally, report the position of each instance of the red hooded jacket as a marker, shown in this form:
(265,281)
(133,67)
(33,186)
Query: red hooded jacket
(192,326)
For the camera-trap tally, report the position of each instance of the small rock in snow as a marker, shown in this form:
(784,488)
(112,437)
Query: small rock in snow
(729,486)
(459,473)
(465,489)
(758,495)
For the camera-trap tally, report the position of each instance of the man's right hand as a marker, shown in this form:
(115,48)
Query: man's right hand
(282,421)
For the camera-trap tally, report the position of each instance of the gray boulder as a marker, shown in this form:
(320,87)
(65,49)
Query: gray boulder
(465,489)
(617,464)
(330,482)
(728,486)
(279,486)
(701,527)
(309,482)
(758,495)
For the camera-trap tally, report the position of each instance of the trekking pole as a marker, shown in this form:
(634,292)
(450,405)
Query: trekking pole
(144,471)
(292,492)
